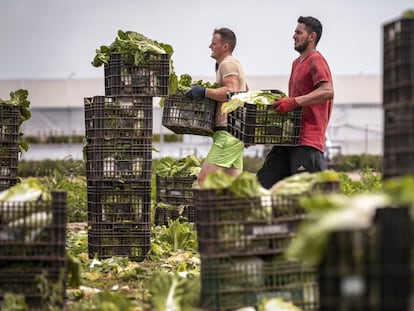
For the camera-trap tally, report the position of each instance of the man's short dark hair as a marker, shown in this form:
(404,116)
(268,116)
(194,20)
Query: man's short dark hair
(312,25)
(227,36)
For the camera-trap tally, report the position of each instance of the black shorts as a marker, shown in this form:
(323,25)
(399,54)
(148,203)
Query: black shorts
(284,161)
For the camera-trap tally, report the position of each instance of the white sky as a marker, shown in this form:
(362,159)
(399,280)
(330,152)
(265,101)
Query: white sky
(56,39)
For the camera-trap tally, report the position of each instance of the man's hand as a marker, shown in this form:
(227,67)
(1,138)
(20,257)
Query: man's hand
(196,92)
(284,105)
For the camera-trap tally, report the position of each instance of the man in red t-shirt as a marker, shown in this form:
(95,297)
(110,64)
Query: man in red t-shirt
(310,87)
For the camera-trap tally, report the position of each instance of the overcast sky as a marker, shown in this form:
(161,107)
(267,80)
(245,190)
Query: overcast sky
(56,39)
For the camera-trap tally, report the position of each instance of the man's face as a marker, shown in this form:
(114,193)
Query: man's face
(301,38)
(217,47)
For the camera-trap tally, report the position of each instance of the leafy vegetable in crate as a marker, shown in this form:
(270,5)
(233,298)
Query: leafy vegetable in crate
(257,97)
(132,43)
(218,180)
(246,272)
(304,183)
(19,221)
(184,167)
(183,85)
(30,226)
(137,46)
(244,185)
(186,81)
(27,190)
(329,213)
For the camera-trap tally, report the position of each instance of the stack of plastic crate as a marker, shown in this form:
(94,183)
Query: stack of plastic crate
(119,155)
(369,269)
(32,250)
(9,145)
(241,244)
(398,97)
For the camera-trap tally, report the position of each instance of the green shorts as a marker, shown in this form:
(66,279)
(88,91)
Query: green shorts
(227,151)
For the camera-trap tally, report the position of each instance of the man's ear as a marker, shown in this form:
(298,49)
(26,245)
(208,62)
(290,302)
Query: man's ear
(312,36)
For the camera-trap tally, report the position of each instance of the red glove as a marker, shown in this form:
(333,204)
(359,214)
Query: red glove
(286,104)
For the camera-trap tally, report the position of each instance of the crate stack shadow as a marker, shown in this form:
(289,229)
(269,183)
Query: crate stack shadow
(9,140)
(119,155)
(33,250)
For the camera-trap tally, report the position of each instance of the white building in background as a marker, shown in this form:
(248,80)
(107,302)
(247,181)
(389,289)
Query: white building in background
(356,124)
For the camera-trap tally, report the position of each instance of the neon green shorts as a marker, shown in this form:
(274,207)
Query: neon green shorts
(227,151)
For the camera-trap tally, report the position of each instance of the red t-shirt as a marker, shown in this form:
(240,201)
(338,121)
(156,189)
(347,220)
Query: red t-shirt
(304,78)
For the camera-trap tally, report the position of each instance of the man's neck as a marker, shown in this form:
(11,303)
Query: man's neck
(221,59)
(305,54)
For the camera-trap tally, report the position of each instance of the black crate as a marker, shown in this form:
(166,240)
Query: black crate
(126,162)
(183,115)
(232,226)
(32,248)
(41,236)
(163,214)
(124,203)
(398,93)
(9,145)
(119,220)
(398,61)
(150,77)
(260,124)
(9,161)
(25,277)
(398,162)
(175,190)
(398,34)
(369,269)
(235,282)
(127,239)
(9,123)
(110,121)
(398,140)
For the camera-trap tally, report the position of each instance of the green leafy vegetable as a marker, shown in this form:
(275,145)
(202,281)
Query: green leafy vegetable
(329,213)
(184,167)
(130,43)
(304,183)
(246,185)
(27,190)
(178,292)
(218,180)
